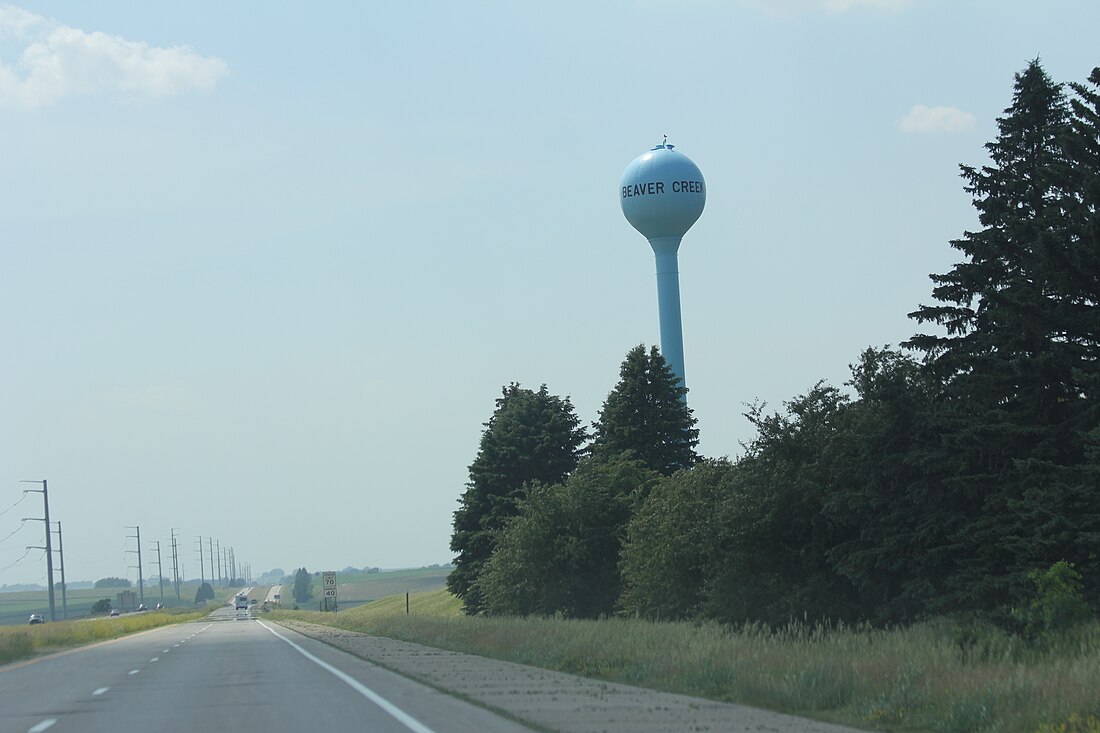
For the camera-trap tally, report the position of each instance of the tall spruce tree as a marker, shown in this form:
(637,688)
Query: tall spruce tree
(1011,408)
(646,415)
(532,437)
(303,583)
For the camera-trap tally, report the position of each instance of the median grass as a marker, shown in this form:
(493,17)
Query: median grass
(21,642)
(945,675)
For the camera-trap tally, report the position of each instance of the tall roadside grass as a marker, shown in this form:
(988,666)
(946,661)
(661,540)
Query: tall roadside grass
(20,642)
(945,676)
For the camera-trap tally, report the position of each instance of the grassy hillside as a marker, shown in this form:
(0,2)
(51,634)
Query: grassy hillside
(939,676)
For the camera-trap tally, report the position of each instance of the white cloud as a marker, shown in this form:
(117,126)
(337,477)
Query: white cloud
(795,7)
(923,119)
(58,61)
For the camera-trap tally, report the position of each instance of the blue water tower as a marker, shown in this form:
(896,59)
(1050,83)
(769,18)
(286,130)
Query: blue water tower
(662,194)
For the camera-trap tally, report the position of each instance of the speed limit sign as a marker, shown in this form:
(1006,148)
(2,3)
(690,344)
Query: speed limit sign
(328,587)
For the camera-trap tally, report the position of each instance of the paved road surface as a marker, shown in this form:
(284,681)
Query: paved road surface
(205,675)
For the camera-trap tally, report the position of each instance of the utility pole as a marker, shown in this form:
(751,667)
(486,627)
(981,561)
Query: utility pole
(210,545)
(61,556)
(202,569)
(141,580)
(220,574)
(232,564)
(47,548)
(175,565)
(160,573)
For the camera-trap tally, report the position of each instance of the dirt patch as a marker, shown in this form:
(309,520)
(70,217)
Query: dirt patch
(554,700)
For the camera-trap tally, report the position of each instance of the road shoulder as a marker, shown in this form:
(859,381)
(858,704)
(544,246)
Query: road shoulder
(555,700)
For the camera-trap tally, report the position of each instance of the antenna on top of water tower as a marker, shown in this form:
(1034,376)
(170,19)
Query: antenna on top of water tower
(662,193)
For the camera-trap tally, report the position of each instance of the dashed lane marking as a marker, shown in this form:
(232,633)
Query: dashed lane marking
(45,724)
(100,691)
(133,671)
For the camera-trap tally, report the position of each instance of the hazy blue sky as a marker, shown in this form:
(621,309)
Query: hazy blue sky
(264,267)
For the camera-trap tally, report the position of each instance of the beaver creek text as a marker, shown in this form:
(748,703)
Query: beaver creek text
(656,187)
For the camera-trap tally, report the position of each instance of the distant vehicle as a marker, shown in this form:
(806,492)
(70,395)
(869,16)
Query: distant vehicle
(114,612)
(160,607)
(36,618)
(242,602)
(142,607)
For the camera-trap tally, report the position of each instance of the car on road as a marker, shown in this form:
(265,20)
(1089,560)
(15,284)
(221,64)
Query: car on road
(142,607)
(36,618)
(114,612)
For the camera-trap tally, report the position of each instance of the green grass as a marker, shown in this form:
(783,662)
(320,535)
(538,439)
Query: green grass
(937,676)
(26,641)
(16,607)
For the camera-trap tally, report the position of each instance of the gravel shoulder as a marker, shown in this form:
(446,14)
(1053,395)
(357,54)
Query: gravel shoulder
(554,700)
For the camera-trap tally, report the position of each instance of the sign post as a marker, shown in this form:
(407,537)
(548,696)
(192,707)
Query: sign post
(328,590)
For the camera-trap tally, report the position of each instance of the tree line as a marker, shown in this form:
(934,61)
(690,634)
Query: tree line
(939,481)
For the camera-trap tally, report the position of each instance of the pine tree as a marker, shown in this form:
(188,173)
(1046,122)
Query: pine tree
(1018,324)
(532,437)
(646,415)
(303,583)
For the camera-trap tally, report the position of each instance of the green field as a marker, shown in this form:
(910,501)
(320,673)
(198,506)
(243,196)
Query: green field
(355,589)
(943,676)
(16,608)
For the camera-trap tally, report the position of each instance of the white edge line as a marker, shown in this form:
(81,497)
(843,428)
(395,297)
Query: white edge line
(47,723)
(397,713)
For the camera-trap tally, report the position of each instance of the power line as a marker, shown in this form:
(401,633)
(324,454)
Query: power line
(13,505)
(21,525)
(20,559)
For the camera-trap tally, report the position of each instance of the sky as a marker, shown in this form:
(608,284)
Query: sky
(264,268)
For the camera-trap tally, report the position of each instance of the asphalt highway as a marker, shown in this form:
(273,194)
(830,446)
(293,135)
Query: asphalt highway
(235,674)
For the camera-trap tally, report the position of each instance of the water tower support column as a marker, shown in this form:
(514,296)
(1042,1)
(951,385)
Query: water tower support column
(668,304)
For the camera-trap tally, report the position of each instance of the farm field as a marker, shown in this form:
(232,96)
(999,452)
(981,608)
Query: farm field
(16,607)
(355,589)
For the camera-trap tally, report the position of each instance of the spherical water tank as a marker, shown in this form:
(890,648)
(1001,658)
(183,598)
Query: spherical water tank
(662,193)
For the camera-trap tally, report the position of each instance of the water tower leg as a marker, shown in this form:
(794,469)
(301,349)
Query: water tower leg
(668,305)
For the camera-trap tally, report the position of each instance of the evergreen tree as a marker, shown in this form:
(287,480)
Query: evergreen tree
(204,593)
(531,437)
(303,583)
(646,415)
(1021,322)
